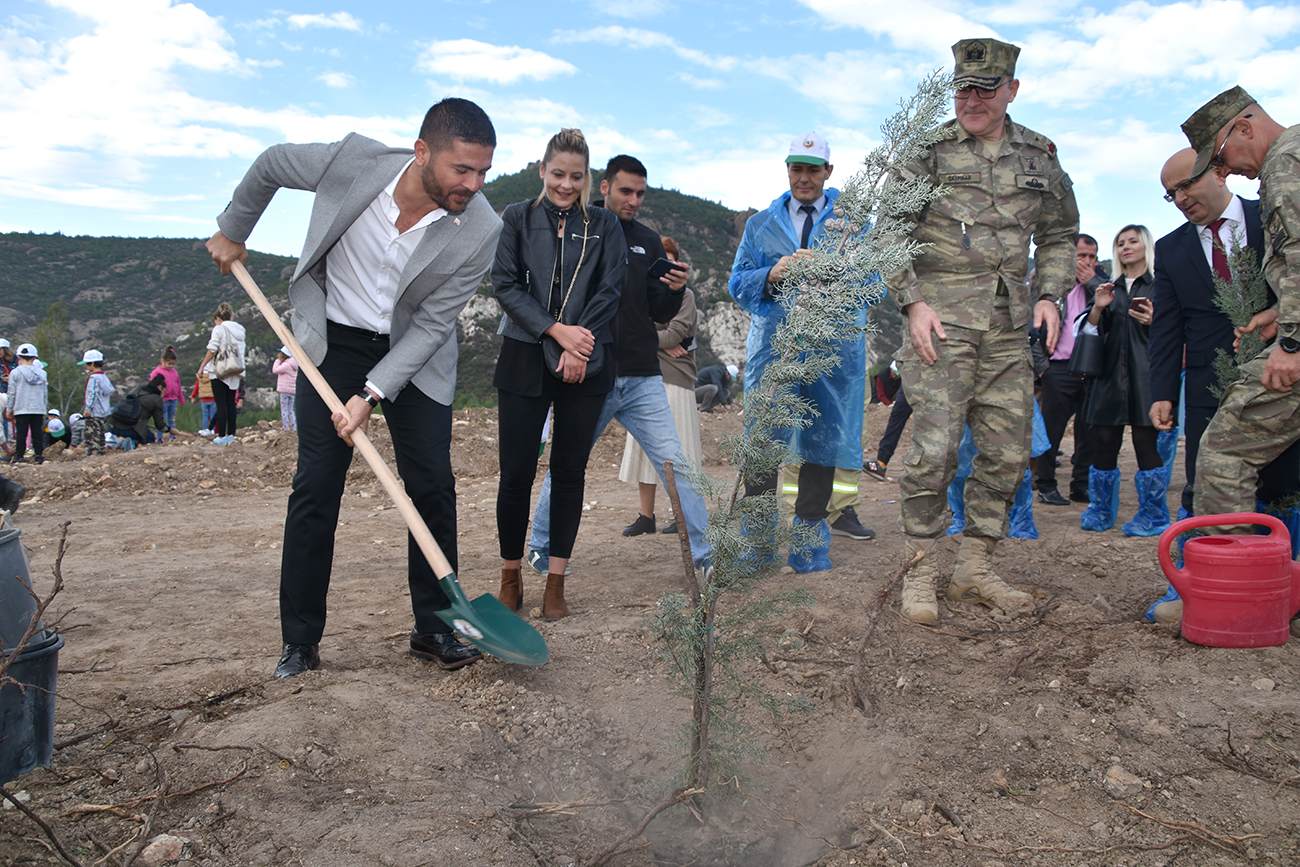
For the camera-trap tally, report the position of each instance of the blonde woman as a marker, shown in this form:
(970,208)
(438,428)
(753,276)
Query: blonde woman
(224,390)
(558,275)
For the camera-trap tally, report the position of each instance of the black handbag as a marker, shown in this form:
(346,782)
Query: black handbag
(1088,357)
(551,352)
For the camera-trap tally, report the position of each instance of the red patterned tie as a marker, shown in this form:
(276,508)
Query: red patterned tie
(1218,256)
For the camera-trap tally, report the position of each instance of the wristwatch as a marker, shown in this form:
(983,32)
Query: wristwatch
(1289,344)
(369,398)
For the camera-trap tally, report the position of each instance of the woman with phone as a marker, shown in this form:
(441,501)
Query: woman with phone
(558,275)
(1121,313)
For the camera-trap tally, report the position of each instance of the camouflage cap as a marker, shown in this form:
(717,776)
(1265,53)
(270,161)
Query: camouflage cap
(1202,128)
(983,63)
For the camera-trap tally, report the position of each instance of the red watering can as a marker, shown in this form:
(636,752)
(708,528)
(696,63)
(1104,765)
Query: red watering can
(1238,591)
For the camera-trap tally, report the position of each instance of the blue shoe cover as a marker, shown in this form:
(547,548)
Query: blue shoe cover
(1103,494)
(1022,511)
(1170,595)
(817,557)
(1152,516)
(1167,446)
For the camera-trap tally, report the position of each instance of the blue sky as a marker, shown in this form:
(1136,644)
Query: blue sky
(137,117)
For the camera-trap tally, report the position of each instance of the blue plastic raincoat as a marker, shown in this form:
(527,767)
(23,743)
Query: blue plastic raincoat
(834,438)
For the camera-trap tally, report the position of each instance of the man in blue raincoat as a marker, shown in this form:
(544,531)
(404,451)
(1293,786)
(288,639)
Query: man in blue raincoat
(773,238)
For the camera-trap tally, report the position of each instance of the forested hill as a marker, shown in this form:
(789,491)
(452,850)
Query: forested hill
(130,297)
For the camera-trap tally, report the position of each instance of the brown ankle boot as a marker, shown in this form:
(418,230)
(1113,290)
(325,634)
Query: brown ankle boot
(512,589)
(553,607)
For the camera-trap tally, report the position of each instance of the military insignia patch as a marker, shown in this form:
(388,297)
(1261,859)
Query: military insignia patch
(975,53)
(1030,182)
(1033,165)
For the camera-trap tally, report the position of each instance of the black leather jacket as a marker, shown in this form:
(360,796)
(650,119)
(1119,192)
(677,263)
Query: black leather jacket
(528,256)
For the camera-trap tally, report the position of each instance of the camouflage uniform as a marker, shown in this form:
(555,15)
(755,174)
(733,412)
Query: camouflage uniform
(1253,425)
(973,275)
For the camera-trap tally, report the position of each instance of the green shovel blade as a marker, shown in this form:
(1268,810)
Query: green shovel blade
(491,627)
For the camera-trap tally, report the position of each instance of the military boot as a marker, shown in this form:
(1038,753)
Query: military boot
(974,580)
(919,583)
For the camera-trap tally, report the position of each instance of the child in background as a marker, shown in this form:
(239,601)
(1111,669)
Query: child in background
(76,429)
(172,394)
(55,430)
(286,370)
(207,403)
(28,393)
(99,400)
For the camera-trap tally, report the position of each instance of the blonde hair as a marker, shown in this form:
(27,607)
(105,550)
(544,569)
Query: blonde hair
(225,313)
(569,141)
(1148,245)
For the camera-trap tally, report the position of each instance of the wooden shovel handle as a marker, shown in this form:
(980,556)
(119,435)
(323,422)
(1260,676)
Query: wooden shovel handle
(419,530)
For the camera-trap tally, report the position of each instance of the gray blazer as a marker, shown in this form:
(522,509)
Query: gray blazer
(441,275)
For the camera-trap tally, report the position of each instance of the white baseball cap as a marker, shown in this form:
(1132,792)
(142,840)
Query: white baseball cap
(27,350)
(91,355)
(809,148)
(733,370)
(55,412)
(75,417)
(4,344)
(55,426)
(286,351)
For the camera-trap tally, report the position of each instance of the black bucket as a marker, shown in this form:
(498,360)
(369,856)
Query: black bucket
(16,602)
(27,714)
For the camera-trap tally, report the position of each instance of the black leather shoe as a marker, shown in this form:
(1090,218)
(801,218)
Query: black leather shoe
(443,648)
(640,526)
(1052,498)
(670,530)
(298,658)
(1079,497)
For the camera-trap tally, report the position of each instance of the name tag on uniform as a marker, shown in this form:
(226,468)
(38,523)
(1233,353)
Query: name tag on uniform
(959,178)
(1030,182)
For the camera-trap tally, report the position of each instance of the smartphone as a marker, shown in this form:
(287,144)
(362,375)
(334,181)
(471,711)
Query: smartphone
(662,266)
(1141,303)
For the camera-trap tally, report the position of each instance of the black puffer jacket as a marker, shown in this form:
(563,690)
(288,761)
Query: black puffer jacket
(529,255)
(1122,394)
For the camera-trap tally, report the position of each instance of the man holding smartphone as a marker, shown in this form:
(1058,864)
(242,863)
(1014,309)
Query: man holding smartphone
(638,400)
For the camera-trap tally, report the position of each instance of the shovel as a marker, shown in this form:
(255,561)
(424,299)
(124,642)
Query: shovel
(483,622)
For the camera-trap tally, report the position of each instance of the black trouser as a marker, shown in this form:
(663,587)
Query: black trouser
(1062,396)
(225,396)
(1111,436)
(29,423)
(899,413)
(1277,480)
(520,421)
(815,487)
(421,431)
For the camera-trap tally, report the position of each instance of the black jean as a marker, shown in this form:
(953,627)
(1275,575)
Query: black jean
(899,413)
(1111,436)
(520,424)
(1062,396)
(421,431)
(25,424)
(225,396)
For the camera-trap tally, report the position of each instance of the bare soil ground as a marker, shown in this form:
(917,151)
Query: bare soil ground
(1082,737)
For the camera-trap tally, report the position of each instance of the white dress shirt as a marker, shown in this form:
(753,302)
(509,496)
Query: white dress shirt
(363,270)
(1233,227)
(799,218)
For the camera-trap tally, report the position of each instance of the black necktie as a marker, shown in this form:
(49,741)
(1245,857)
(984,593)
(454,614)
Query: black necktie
(810,217)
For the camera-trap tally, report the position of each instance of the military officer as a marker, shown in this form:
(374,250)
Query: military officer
(968,307)
(1257,418)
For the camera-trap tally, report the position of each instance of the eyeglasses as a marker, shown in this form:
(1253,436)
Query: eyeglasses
(1217,160)
(982,93)
(1172,193)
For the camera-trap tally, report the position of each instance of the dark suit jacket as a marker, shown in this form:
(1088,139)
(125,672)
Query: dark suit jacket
(1184,313)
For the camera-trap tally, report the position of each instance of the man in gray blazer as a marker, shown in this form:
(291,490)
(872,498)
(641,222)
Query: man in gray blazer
(397,243)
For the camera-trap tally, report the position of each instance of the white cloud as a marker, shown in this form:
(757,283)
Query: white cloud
(336,79)
(638,9)
(504,64)
(700,83)
(333,21)
(637,38)
(929,26)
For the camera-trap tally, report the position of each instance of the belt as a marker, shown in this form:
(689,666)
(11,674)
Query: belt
(359,332)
